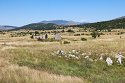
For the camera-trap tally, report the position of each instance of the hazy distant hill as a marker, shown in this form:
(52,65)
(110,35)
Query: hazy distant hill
(117,23)
(6,27)
(61,22)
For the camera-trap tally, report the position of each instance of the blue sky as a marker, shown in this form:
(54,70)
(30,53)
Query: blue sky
(22,12)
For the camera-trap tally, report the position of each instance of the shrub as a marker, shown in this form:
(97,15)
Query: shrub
(76,34)
(63,31)
(51,39)
(83,39)
(86,34)
(66,42)
(120,33)
(74,40)
(31,37)
(70,30)
(36,33)
(31,33)
(102,34)
(95,34)
(82,34)
(109,30)
(98,34)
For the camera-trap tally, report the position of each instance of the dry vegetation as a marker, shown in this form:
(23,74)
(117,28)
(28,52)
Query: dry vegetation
(25,60)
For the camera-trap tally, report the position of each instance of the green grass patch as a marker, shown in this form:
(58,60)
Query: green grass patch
(95,72)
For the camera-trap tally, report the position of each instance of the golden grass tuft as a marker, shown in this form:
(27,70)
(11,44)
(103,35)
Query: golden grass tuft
(16,74)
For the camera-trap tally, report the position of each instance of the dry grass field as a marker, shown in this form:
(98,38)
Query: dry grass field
(26,60)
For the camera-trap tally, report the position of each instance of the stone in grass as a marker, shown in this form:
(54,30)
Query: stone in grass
(109,61)
(57,37)
(74,51)
(101,58)
(60,52)
(87,57)
(119,58)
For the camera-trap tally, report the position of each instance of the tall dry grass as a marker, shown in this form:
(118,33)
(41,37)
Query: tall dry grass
(12,73)
(16,74)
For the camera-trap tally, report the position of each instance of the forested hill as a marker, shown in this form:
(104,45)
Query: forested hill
(39,26)
(118,23)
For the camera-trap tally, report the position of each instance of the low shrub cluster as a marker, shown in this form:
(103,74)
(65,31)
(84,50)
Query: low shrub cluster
(66,42)
(83,39)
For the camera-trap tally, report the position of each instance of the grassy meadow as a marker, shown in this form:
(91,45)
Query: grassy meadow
(26,60)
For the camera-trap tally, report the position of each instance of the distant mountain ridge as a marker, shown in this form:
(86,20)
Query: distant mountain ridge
(118,23)
(7,27)
(61,22)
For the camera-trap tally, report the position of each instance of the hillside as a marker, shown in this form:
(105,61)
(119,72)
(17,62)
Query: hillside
(117,23)
(39,26)
(61,22)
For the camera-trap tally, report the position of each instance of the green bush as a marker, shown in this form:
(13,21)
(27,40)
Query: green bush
(70,30)
(83,39)
(82,34)
(77,34)
(36,33)
(102,34)
(66,42)
(95,34)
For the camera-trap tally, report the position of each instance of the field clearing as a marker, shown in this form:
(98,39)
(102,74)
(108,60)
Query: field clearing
(23,56)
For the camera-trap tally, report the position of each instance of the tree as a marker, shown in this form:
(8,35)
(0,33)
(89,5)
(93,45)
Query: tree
(46,36)
(36,33)
(95,34)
